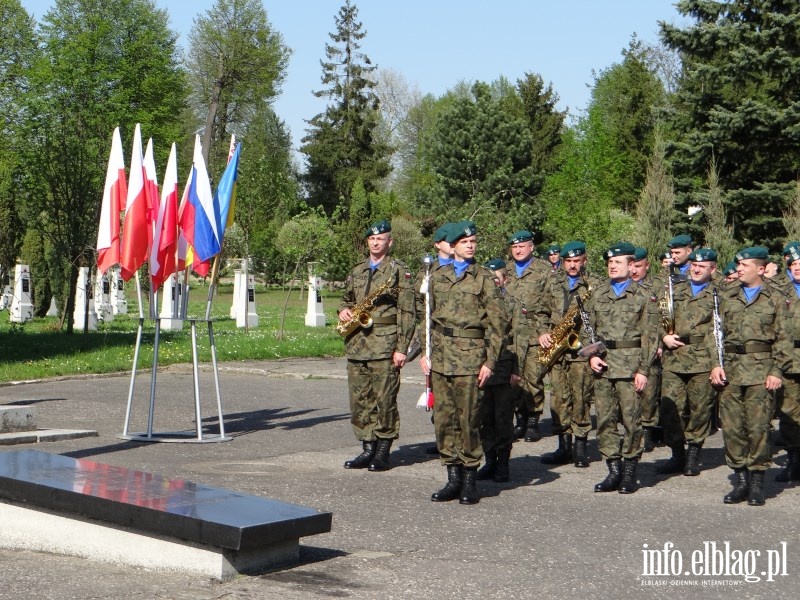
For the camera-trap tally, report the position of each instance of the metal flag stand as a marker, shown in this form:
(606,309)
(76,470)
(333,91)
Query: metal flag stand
(198,436)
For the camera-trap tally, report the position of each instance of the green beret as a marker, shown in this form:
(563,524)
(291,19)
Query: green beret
(523,235)
(787,249)
(664,255)
(382,226)
(621,249)
(729,269)
(639,253)
(496,264)
(573,249)
(680,241)
(794,254)
(440,234)
(703,255)
(456,231)
(753,252)
(554,249)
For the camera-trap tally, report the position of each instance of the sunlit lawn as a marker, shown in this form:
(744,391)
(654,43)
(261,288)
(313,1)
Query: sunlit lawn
(38,350)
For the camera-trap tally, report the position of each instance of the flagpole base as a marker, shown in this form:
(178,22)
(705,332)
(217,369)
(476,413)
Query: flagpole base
(184,437)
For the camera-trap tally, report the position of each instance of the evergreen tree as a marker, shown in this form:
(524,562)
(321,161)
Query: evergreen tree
(718,233)
(791,215)
(546,122)
(343,144)
(737,101)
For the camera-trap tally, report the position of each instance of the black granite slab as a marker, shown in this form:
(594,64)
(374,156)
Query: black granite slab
(141,500)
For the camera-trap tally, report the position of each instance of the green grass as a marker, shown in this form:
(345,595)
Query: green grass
(37,350)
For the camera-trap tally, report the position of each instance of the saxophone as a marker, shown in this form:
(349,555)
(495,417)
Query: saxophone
(362,312)
(565,334)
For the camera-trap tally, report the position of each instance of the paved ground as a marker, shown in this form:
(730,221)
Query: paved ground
(545,534)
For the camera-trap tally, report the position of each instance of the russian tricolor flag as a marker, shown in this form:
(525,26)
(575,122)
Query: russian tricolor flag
(199,219)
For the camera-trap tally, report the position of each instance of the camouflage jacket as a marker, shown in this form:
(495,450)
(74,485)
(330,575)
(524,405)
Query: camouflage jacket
(527,290)
(793,306)
(694,323)
(764,321)
(469,321)
(557,299)
(383,338)
(623,320)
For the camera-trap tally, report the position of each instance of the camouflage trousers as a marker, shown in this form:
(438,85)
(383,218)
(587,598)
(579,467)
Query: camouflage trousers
(789,411)
(687,400)
(571,397)
(455,418)
(496,417)
(615,400)
(650,397)
(529,396)
(373,386)
(746,412)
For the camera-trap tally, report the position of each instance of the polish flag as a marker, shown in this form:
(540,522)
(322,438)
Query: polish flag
(114,194)
(165,236)
(135,232)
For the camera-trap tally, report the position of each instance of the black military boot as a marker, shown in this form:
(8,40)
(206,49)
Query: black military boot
(362,460)
(532,429)
(692,466)
(675,464)
(741,488)
(469,488)
(452,488)
(647,439)
(519,427)
(628,483)
(791,472)
(579,453)
(501,474)
(756,495)
(563,454)
(380,462)
(611,482)
(488,469)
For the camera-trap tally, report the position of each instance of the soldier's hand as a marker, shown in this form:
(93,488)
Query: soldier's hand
(718,377)
(545,340)
(399,359)
(345,315)
(424,365)
(773,383)
(597,364)
(515,379)
(672,341)
(483,375)
(639,382)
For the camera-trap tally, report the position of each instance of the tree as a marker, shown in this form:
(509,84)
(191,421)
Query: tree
(718,233)
(343,143)
(791,215)
(103,63)
(655,211)
(236,63)
(737,101)
(546,122)
(10,224)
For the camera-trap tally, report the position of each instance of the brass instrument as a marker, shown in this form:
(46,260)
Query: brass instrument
(362,311)
(565,334)
(667,307)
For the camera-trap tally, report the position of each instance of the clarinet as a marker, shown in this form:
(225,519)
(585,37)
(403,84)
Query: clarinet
(719,337)
(596,347)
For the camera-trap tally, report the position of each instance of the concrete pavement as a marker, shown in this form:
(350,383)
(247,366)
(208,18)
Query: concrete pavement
(544,534)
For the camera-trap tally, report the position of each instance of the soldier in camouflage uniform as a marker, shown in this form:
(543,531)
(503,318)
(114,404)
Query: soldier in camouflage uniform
(789,409)
(640,273)
(376,354)
(619,312)
(469,326)
(554,257)
(687,360)
(756,355)
(572,382)
(496,415)
(527,278)
(680,247)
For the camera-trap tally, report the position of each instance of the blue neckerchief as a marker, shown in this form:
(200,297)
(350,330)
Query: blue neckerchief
(684,268)
(446,261)
(750,292)
(521,266)
(460,267)
(573,281)
(556,266)
(698,287)
(797,288)
(374,266)
(789,275)
(619,288)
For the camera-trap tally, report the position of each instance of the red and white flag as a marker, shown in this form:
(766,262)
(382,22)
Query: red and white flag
(165,236)
(135,231)
(114,195)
